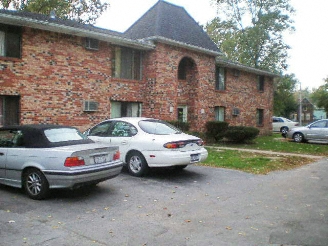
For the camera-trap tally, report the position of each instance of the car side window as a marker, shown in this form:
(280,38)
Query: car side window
(123,129)
(320,124)
(101,130)
(11,139)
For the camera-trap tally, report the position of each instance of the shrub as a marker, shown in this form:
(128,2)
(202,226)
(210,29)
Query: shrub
(216,130)
(241,133)
(183,126)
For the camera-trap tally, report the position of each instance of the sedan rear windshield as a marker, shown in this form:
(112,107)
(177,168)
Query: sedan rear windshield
(63,135)
(158,127)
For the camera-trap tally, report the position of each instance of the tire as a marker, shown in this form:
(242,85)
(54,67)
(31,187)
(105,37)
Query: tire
(298,137)
(35,184)
(137,164)
(284,130)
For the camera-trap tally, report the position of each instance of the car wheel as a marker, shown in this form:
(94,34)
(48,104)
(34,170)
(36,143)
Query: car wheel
(284,130)
(137,164)
(35,184)
(298,137)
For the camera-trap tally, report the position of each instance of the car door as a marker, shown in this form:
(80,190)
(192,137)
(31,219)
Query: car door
(121,135)
(101,133)
(5,143)
(3,161)
(317,131)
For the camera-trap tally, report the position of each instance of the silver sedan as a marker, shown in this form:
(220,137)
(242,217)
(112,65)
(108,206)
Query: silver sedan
(316,131)
(41,157)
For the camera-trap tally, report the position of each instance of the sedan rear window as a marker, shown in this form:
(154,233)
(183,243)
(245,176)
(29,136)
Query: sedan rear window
(158,127)
(63,134)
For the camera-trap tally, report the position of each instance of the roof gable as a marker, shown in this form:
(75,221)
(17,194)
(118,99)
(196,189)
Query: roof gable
(171,22)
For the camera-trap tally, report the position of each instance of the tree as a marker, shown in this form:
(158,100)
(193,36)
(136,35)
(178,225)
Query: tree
(284,101)
(320,96)
(85,11)
(250,32)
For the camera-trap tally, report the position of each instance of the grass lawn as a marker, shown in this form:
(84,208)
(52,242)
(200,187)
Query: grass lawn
(264,163)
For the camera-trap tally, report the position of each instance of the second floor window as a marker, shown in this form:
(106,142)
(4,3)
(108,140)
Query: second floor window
(220,78)
(260,83)
(126,63)
(10,41)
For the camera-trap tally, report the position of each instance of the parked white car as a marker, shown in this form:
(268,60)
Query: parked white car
(146,142)
(283,125)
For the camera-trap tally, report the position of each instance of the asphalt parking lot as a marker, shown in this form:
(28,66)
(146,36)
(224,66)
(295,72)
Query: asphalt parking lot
(197,206)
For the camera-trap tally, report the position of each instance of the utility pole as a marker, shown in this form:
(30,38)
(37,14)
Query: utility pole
(300,113)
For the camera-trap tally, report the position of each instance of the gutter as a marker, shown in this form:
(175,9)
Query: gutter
(183,45)
(59,28)
(236,65)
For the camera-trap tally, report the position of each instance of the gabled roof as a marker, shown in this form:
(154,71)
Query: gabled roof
(172,24)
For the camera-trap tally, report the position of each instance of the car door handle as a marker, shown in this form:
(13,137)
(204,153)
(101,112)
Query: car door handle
(124,142)
(2,153)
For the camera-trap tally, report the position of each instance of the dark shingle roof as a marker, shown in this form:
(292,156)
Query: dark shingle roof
(165,20)
(58,21)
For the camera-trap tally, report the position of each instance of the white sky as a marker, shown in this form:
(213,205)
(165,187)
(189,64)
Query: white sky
(309,43)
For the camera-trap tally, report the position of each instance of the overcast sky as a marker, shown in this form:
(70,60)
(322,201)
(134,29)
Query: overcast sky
(309,43)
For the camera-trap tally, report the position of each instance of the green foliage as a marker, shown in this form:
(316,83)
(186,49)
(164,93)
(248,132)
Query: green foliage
(284,102)
(183,126)
(216,130)
(250,32)
(85,11)
(320,96)
(241,134)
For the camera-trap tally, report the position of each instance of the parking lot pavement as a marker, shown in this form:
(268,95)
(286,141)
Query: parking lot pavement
(197,206)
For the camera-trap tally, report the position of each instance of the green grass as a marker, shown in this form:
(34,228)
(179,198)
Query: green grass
(252,162)
(280,144)
(259,163)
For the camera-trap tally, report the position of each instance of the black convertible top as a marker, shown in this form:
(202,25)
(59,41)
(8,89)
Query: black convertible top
(34,136)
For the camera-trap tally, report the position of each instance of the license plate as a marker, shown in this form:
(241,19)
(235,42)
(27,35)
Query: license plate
(100,159)
(194,158)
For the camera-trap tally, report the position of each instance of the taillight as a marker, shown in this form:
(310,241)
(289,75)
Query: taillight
(175,145)
(181,144)
(74,161)
(117,156)
(200,142)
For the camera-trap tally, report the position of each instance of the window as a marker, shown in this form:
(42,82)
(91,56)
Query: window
(219,113)
(260,85)
(220,78)
(182,113)
(259,117)
(10,41)
(125,109)
(91,44)
(126,63)
(9,110)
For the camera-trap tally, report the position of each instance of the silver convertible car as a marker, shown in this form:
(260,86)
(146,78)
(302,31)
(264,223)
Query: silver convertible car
(316,132)
(41,157)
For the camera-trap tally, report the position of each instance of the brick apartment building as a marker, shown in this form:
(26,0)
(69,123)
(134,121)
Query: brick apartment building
(164,66)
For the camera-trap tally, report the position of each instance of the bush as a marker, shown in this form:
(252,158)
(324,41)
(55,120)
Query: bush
(216,130)
(241,133)
(183,126)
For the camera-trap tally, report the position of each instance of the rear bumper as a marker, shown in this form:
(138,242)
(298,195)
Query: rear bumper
(173,158)
(76,177)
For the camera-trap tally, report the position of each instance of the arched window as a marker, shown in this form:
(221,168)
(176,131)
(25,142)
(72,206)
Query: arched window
(185,65)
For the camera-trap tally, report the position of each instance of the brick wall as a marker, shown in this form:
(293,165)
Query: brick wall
(57,74)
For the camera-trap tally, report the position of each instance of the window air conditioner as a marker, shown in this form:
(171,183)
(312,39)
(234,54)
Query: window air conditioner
(90,106)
